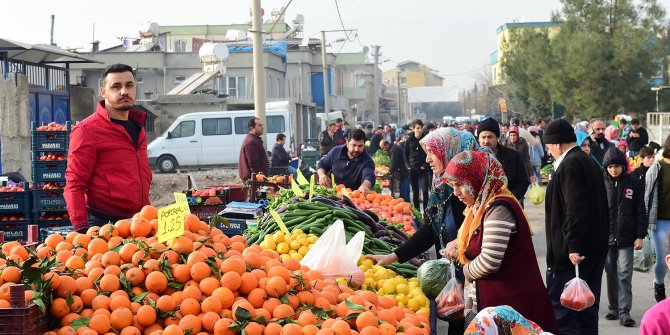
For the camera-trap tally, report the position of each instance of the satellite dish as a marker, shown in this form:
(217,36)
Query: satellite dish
(365,50)
(360,82)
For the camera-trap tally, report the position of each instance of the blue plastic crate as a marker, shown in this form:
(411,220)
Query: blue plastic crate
(237,226)
(15,202)
(46,171)
(48,201)
(54,141)
(47,228)
(15,230)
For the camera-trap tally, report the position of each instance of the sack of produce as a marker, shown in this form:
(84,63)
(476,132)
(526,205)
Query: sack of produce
(433,275)
(577,295)
(450,301)
(536,194)
(334,258)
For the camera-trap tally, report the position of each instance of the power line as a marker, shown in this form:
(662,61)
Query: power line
(337,6)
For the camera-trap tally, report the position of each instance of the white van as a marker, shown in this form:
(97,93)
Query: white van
(213,138)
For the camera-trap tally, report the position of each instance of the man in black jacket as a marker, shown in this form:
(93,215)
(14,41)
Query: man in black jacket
(628,227)
(637,138)
(576,225)
(488,133)
(415,159)
(398,170)
(374,141)
(599,144)
(328,140)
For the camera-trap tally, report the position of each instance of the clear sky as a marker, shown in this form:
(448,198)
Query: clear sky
(454,37)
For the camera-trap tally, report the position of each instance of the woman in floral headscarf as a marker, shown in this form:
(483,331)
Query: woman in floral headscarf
(494,243)
(612,134)
(443,216)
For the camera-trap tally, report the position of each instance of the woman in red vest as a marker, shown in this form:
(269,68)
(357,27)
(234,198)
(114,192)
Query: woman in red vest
(494,243)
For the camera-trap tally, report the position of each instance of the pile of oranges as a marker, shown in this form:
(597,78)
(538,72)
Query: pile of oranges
(118,279)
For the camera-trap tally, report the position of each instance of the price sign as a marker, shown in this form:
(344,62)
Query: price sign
(180,198)
(301,179)
(296,189)
(311,187)
(170,222)
(332,180)
(280,223)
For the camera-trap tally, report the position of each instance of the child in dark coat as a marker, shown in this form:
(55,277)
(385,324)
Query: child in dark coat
(628,227)
(647,157)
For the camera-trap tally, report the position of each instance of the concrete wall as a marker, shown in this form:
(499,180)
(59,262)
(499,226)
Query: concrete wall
(15,125)
(82,103)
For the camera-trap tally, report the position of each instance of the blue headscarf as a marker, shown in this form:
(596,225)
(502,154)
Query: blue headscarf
(581,137)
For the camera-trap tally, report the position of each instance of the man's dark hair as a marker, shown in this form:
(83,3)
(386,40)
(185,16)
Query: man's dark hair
(623,121)
(369,126)
(539,122)
(417,122)
(280,137)
(116,68)
(345,123)
(635,121)
(252,122)
(383,144)
(332,124)
(646,151)
(357,135)
(430,126)
(338,120)
(666,148)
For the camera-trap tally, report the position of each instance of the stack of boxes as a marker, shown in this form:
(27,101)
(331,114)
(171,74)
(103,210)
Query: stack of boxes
(49,161)
(14,213)
(309,153)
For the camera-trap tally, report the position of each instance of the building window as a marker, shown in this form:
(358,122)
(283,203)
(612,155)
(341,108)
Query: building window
(178,79)
(219,126)
(180,46)
(184,129)
(139,80)
(235,87)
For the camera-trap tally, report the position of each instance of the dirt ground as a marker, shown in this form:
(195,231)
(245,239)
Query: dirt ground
(165,184)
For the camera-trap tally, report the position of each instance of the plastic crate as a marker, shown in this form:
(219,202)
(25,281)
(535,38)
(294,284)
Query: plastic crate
(14,231)
(237,226)
(204,213)
(15,202)
(48,228)
(46,171)
(271,188)
(48,200)
(54,141)
(202,200)
(22,319)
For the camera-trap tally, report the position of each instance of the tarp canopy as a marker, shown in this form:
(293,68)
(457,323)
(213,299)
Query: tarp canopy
(40,54)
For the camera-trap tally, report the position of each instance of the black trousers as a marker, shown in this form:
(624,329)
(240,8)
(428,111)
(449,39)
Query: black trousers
(99,220)
(419,181)
(569,321)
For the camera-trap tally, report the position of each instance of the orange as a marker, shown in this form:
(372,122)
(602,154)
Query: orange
(166,304)
(109,283)
(200,271)
(208,320)
(68,285)
(189,306)
(276,286)
(221,327)
(235,264)
(121,318)
(190,323)
(249,282)
(225,296)
(149,212)
(11,274)
(140,227)
(173,330)
(341,327)
(231,280)
(59,308)
(253,328)
(100,323)
(366,319)
(211,304)
(156,282)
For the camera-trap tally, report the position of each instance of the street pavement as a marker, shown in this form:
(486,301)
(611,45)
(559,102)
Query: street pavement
(643,294)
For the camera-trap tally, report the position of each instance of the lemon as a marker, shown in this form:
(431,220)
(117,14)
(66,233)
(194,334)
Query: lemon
(312,238)
(413,304)
(294,245)
(298,232)
(303,250)
(415,292)
(380,292)
(390,285)
(297,256)
(278,237)
(283,248)
(402,299)
(304,241)
(270,244)
(402,288)
(284,257)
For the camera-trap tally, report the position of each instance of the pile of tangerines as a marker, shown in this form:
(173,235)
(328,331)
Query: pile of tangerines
(118,279)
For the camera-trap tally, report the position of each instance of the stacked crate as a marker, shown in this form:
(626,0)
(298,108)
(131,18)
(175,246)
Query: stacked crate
(309,153)
(49,161)
(15,212)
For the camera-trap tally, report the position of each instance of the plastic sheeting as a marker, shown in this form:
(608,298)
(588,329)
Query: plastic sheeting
(279,49)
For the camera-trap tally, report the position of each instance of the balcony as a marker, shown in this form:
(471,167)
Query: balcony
(354,92)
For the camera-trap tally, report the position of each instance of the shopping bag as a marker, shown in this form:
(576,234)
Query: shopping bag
(334,258)
(643,259)
(536,194)
(450,302)
(576,294)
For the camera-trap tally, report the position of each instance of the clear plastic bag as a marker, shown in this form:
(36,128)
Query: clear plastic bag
(576,294)
(334,258)
(450,301)
(536,194)
(643,259)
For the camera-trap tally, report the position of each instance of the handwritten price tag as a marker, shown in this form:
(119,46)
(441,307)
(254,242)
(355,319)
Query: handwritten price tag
(170,222)
(301,179)
(280,223)
(296,189)
(180,198)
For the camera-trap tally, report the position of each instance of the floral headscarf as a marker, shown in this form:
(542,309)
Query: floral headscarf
(609,133)
(445,143)
(483,177)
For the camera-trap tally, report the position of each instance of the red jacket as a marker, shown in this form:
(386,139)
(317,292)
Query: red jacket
(106,172)
(253,157)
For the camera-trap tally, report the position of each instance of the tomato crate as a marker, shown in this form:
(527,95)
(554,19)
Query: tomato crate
(53,141)
(15,231)
(22,319)
(46,171)
(48,200)
(15,202)
(204,213)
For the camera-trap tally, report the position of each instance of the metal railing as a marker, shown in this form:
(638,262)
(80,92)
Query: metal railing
(658,126)
(40,77)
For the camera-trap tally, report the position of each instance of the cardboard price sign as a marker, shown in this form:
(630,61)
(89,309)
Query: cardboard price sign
(180,198)
(170,222)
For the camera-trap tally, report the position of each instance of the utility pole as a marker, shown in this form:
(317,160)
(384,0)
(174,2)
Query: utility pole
(259,70)
(375,86)
(399,94)
(326,88)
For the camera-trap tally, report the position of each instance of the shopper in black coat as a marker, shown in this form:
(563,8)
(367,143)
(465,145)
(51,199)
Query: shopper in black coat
(576,226)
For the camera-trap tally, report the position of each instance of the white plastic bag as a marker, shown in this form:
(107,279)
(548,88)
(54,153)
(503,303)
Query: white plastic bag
(536,194)
(450,300)
(576,294)
(334,258)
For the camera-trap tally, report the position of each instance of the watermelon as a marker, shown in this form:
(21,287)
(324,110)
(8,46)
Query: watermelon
(433,275)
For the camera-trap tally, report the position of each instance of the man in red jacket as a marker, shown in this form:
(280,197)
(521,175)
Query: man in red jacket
(253,155)
(108,174)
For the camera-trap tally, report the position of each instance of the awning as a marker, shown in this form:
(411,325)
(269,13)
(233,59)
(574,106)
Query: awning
(40,54)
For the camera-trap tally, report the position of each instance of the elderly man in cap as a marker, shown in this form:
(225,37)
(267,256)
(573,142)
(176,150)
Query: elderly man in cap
(488,133)
(577,226)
